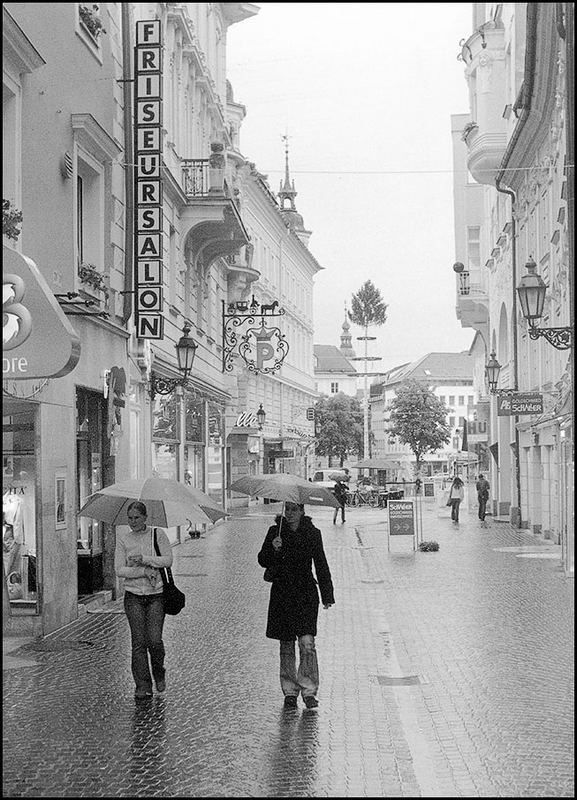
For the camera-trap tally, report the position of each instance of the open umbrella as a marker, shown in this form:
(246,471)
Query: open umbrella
(168,502)
(286,487)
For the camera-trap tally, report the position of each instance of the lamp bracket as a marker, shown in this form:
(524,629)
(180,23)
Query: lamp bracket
(560,338)
(161,385)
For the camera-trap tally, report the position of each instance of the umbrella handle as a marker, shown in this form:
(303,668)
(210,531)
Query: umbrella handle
(280,523)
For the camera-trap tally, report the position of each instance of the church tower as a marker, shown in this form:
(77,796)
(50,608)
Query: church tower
(346,347)
(287,193)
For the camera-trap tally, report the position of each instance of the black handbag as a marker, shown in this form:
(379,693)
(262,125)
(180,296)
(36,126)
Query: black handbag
(174,599)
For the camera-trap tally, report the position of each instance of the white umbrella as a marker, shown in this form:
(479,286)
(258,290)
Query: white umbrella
(168,503)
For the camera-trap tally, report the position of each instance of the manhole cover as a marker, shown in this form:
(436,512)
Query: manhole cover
(400,680)
(63,645)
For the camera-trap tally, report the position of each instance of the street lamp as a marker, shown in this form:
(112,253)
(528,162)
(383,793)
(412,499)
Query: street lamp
(261,417)
(185,353)
(532,290)
(492,370)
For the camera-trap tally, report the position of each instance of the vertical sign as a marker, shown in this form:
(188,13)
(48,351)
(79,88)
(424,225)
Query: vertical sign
(148,299)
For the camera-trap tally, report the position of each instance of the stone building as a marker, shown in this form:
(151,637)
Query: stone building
(513,227)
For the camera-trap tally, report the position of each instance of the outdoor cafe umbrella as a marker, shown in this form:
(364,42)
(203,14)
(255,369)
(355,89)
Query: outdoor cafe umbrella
(168,503)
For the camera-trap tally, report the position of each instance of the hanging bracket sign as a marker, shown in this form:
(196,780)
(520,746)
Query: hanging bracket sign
(148,300)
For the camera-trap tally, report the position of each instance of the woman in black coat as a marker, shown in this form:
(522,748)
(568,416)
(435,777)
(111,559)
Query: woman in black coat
(289,550)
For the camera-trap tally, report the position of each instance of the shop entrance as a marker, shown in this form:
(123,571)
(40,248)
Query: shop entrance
(93,465)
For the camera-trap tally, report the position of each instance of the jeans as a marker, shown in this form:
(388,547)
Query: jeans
(455,510)
(482,508)
(145,614)
(306,680)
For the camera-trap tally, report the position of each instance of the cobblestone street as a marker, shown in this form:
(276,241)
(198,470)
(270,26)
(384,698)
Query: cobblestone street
(443,674)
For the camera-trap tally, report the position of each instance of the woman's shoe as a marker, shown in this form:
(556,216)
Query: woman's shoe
(142,694)
(310,701)
(290,701)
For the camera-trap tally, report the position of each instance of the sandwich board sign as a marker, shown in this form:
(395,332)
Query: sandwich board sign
(402,520)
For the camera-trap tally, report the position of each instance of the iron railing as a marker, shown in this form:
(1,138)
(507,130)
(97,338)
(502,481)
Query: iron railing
(195,177)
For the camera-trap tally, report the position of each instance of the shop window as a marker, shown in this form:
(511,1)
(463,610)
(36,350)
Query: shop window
(194,418)
(19,507)
(215,453)
(92,454)
(165,417)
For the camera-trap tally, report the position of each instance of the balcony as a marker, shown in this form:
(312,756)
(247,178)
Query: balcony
(472,300)
(486,138)
(211,219)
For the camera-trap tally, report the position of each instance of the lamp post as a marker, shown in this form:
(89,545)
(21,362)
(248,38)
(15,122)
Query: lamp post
(531,291)
(261,417)
(185,353)
(492,370)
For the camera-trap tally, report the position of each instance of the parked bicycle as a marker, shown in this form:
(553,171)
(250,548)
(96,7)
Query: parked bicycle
(363,498)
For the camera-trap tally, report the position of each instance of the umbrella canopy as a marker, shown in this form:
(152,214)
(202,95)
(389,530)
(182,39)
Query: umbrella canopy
(376,463)
(168,503)
(286,487)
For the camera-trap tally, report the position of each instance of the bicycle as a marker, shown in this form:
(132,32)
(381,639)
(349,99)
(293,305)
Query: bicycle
(358,498)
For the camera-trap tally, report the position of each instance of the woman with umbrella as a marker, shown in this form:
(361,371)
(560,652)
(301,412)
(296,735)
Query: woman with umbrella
(135,561)
(289,550)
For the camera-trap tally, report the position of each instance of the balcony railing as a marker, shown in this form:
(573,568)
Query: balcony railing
(195,177)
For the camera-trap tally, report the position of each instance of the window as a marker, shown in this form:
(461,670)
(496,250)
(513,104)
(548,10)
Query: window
(451,400)
(461,399)
(334,388)
(455,442)
(470,400)
(443,398)
(452,422)
(473,247)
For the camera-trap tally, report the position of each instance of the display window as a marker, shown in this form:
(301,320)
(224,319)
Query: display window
(19,504)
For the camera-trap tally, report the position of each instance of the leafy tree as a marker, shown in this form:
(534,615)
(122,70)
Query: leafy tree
(368,308)
(419,419)
(339,426)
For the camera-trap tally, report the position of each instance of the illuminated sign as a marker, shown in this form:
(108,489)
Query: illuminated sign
(148,299)
(37,339)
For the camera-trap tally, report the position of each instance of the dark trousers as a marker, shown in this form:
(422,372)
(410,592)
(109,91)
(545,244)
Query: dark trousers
(145,614)
(482,508)
(335,515)
(455,510)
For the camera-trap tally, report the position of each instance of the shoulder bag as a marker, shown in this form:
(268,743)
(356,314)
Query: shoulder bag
(174,599)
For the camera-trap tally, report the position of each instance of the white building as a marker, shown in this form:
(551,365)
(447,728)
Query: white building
(450,377)
(516,144)
(334,366)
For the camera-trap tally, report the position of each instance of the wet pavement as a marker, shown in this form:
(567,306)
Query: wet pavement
(443,674)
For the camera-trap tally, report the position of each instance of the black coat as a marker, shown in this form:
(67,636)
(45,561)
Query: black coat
(294,596)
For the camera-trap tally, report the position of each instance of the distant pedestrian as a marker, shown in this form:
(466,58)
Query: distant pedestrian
(136,561)
(456,496)
(340,493)
(289,550)
(483,488)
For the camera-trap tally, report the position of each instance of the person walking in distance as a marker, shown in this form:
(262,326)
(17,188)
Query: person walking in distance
(482,487)
(136,561)
(456,496)
(340,492)
(291,547)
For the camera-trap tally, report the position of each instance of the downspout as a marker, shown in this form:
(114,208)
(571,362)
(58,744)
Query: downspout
(528,82)
(128,295)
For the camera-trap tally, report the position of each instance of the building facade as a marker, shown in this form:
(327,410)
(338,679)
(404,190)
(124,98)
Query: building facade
(108,402)
(514,219)
(450,377)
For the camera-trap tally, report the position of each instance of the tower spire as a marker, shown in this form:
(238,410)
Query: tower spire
(287,189)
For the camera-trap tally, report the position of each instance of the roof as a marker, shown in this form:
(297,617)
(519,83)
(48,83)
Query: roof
(434,368)
(329,358)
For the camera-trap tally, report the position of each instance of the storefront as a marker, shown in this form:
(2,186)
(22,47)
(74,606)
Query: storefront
(188,444)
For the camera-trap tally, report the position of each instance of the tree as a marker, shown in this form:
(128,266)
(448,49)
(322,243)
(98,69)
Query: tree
(419,419)
(339,429)
(368,308)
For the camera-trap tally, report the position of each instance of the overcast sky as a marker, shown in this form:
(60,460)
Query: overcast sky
(365,92)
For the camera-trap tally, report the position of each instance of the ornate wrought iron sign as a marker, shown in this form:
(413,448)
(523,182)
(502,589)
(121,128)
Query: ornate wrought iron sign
(263,348)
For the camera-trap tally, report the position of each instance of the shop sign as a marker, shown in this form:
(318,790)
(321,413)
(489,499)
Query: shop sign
(148,297)
(281,454)
(401,517)
(37,339)
(519,404)
(247,420)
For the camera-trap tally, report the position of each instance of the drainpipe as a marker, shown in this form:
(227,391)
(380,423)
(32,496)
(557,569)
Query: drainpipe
(128,295)
(528,82)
